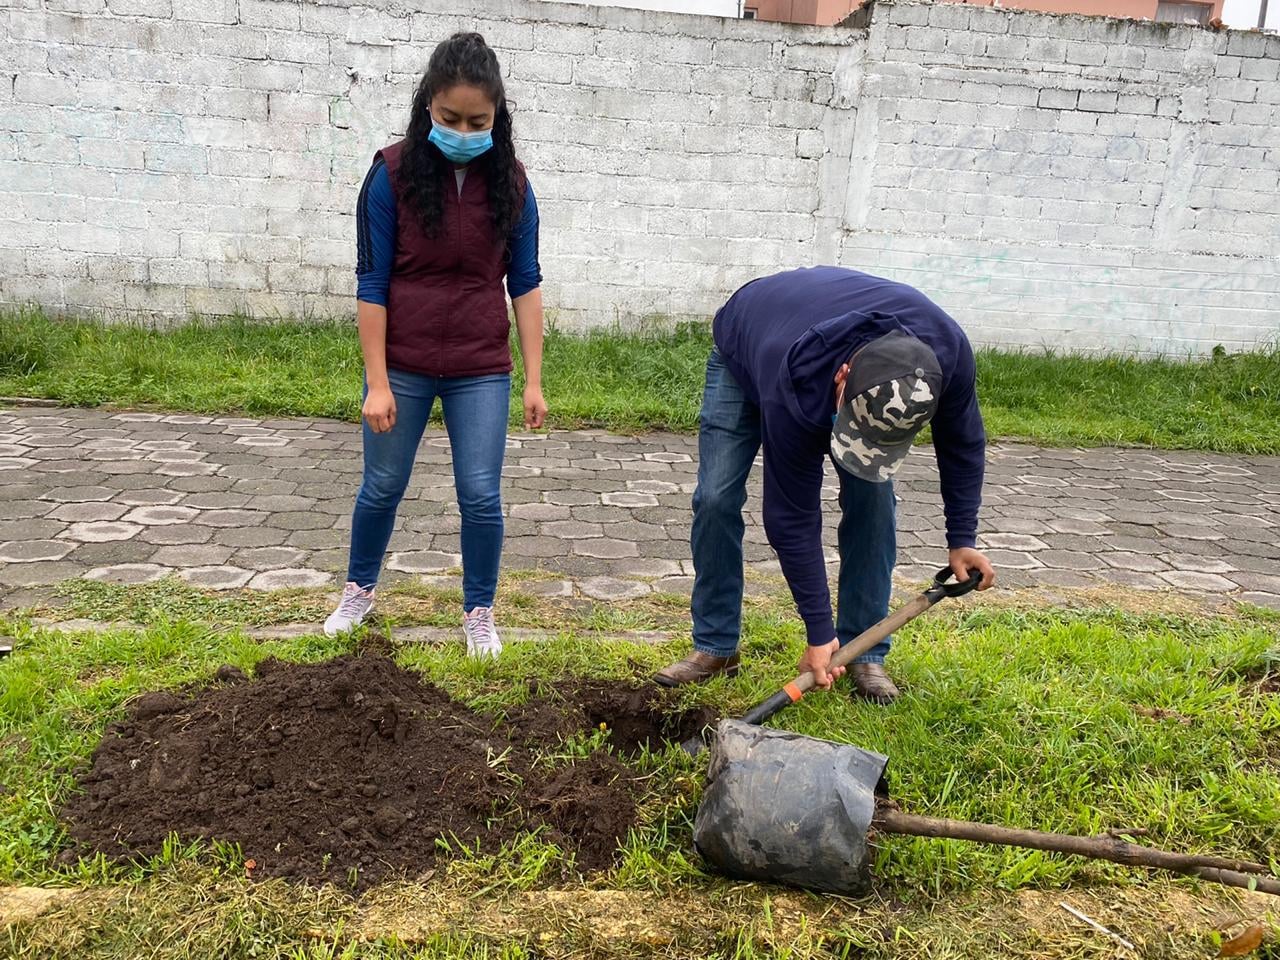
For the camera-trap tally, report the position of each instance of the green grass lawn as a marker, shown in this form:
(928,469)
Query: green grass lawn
(1077,722)
(624,381)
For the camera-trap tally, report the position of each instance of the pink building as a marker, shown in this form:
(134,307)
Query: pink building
(833,11)
(800,11)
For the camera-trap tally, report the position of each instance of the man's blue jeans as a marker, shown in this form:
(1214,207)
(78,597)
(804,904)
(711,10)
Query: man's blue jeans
(475,415)
(728,441)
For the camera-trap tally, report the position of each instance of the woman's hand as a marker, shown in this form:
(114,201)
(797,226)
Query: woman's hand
(535,408)
(380,409)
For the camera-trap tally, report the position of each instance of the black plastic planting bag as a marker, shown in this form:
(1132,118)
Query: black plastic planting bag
(790,809)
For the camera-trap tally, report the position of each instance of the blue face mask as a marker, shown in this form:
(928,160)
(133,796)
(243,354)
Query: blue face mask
(460,147)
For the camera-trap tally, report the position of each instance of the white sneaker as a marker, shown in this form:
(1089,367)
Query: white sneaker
(482,635)
(352,609)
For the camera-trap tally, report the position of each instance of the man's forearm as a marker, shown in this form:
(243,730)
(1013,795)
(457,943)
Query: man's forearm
(805,568)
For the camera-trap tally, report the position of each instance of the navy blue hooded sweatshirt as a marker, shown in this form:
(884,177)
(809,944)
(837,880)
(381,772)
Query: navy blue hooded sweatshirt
(784,338)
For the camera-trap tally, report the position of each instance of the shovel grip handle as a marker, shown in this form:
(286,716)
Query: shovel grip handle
(940,588)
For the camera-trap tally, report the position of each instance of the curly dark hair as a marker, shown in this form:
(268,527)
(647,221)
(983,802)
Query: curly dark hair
(463,58)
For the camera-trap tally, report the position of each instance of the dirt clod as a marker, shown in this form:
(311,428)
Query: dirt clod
(227,673)
(151,705)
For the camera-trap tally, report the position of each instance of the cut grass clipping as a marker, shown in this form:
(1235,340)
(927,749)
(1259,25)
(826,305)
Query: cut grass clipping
(624,381)
(1048,720)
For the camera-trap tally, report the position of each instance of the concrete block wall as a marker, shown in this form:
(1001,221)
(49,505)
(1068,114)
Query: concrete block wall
(166,156)
(1071,181)
(1051,180)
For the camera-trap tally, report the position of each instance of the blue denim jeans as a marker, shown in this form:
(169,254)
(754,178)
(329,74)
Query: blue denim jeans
(475,415)
(728,441)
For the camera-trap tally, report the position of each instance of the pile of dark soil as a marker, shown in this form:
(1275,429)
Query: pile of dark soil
(356,763)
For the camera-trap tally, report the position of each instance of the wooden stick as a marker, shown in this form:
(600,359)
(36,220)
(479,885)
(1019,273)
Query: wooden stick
(1232,873)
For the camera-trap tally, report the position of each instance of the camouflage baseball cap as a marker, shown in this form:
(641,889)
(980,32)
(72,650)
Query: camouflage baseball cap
(890,395)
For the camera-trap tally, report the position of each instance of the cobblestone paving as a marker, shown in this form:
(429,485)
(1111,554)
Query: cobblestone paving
(232,502)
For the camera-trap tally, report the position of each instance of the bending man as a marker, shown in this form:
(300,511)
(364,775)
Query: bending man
(810,364)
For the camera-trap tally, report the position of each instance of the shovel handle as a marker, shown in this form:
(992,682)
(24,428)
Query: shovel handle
(864,641)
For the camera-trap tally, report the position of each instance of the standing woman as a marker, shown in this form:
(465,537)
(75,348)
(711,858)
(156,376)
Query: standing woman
(443,215)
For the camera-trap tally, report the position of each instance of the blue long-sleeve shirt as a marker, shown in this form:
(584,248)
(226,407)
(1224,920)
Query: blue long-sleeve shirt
(784,338)
(376,221)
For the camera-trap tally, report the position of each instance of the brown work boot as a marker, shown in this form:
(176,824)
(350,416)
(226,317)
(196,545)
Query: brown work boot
(695,668)
(872,683)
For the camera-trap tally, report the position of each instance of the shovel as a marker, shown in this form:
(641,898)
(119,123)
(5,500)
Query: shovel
(797,688)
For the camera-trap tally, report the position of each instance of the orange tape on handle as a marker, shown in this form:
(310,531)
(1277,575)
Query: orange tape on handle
(794,692)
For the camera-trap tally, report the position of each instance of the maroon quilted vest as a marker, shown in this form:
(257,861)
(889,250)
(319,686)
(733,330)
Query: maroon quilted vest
(447,308)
